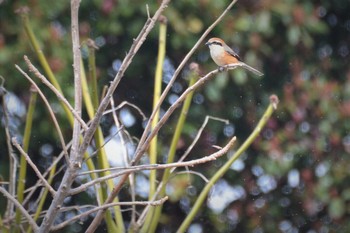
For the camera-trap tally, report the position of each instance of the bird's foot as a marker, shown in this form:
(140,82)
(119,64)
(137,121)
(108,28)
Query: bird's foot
(221,68)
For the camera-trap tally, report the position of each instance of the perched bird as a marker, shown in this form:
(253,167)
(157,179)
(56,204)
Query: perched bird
(223,55)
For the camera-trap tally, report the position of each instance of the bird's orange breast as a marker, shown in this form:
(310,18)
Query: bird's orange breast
(224,59)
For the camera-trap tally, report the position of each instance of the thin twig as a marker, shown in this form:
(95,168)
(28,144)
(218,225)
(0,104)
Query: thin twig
(93,154)
(20,207)
(32,189)
(138,167)
(126,161)
(99,215)
(195,173)
(121,105)
(131,169)
(59,95)
(199,133)
(147,9)
(36,170)
(52,114)
(34,205)
(106,206)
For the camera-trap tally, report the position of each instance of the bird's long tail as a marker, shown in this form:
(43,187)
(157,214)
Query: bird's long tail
(247,67)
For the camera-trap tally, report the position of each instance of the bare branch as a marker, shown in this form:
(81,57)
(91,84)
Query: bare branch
(93,154)
(59,95)
(75,156)
(126,160)
(20,207)
(122,104)
(195,173)
(199,133)
(32,189)
(147,9)
(52,114)
(106,206)
(36,170)
(128,170)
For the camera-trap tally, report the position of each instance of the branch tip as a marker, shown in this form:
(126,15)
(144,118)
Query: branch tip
(274,101)
(147,9)
(91,44)
(163,19)
(217,147)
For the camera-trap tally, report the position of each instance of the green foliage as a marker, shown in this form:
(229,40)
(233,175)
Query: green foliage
(301,46)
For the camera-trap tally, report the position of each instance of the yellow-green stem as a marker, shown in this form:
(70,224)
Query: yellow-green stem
(86,93)
(93,77)
(201,198)
(101,159)
(23,162)
(172,151)
(156,96)
(43,61)
(3,228)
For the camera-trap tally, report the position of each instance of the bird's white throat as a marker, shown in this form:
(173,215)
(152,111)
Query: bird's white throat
(217,52)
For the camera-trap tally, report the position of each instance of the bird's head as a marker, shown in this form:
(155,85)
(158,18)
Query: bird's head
(215,42)
(217,48)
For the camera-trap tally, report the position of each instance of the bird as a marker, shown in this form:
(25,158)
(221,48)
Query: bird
(223,55)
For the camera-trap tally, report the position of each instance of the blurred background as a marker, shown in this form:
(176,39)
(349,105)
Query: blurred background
(294,178)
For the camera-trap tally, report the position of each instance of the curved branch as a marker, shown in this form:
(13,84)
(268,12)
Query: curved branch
(128,170)
(57,126)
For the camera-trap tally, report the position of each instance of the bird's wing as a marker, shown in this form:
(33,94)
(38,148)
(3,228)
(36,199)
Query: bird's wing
(231,52)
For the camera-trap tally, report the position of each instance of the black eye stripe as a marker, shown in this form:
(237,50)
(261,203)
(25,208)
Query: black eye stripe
(217,43)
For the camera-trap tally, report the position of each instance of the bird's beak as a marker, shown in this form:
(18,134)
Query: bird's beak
(208,43)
